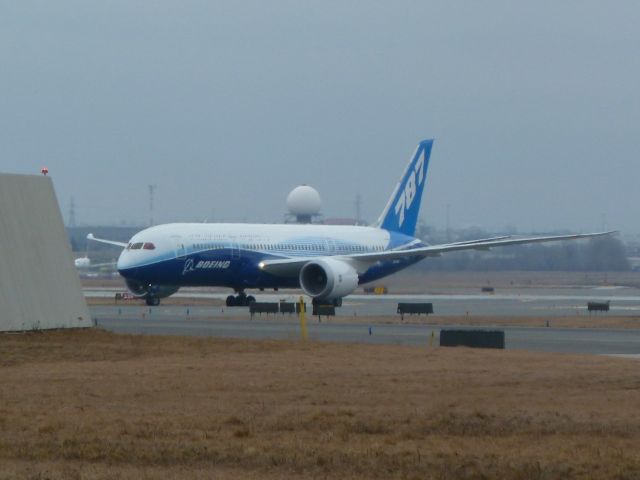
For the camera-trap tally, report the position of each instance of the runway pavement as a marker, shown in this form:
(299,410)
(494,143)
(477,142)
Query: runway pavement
(235,322)
(563,301)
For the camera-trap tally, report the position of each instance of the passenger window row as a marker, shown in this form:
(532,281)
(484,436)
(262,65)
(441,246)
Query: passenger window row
(141,245)
(207,246)
(262,246)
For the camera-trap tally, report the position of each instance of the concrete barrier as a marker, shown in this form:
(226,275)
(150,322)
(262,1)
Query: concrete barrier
(381,290)
(324,310)
(414,308)
(472,338)
(598,306)
(125,296)
(287,307)
(263,307)
(39,284)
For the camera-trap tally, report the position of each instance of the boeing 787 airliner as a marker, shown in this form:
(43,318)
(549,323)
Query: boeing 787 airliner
(326,262)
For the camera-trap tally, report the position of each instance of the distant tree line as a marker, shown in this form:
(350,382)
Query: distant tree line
(595,255)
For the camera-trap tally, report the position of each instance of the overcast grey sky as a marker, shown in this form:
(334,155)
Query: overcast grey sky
(226,106)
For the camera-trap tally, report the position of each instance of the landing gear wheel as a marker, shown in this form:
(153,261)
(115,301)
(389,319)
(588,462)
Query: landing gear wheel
(240,300)
(152,301)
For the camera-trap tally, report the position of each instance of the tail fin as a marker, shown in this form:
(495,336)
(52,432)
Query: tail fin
(401,212)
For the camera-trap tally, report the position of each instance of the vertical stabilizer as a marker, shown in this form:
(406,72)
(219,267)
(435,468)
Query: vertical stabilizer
(401,213)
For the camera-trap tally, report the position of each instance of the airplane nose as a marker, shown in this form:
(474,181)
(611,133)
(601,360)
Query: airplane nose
(124,262)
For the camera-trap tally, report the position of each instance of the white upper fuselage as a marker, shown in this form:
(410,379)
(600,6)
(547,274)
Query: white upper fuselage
(211,254)
(180,239)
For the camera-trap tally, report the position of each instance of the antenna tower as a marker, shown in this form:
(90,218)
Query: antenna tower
(72,213)
(152,191)
(448,224)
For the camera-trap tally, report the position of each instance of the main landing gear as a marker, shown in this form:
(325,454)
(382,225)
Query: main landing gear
(240,300)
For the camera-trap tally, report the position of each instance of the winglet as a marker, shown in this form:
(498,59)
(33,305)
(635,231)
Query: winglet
(91,237)
(401,213)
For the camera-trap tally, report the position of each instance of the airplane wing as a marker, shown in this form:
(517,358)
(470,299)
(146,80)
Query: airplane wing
(490,239)
(108,242)
(362,261)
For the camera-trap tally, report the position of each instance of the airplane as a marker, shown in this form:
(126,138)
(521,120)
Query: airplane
(327,262)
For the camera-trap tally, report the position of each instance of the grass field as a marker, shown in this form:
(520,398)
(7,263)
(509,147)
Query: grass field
(92,404)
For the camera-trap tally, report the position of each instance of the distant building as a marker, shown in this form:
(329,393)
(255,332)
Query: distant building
(303,203)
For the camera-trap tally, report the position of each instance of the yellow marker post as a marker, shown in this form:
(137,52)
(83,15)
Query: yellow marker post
(303,323)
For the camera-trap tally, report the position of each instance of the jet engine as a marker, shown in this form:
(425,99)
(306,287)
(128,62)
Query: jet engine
(328,278)
(147,290)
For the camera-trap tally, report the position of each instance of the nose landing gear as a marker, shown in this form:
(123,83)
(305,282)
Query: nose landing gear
(152,300)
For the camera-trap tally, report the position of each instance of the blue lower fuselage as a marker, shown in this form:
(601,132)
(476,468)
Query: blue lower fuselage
(235,269)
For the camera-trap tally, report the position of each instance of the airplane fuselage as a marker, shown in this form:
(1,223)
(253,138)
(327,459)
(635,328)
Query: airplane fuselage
(229,255)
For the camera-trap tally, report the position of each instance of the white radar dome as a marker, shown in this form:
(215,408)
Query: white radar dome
(304,200)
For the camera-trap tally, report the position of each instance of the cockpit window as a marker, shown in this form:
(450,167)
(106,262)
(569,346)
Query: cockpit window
(149,246)
(136,246)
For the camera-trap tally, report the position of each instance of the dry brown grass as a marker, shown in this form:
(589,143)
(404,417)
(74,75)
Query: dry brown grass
(91,404)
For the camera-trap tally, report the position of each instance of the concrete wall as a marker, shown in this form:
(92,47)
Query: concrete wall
(39,286)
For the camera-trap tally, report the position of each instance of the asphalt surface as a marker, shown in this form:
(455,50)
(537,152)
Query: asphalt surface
(563,301)
(235,322)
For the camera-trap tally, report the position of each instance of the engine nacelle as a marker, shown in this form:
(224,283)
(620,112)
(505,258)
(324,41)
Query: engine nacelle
(328,278)
(142,290)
